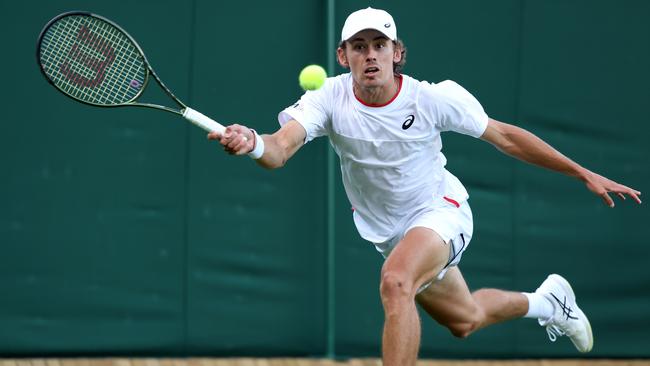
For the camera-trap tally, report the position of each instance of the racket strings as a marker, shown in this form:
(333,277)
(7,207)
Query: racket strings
(93,61)
(129,67)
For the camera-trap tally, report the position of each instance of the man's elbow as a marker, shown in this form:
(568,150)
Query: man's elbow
(508,147)
(280,148)
(275,160)
(503,136)
(271,165)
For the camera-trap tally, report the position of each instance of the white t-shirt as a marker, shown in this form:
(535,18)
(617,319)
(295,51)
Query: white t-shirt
(391,159)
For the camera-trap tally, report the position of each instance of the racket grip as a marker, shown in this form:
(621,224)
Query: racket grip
(202,120)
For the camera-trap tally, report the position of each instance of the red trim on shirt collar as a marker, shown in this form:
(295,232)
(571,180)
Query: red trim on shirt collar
(399,88)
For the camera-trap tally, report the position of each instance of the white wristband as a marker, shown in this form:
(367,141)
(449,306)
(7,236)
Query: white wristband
(258,151)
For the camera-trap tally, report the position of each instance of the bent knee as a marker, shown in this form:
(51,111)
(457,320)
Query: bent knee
(395,285)
(464,328)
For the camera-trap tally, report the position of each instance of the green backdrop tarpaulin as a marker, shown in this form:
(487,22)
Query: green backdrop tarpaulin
(124,231)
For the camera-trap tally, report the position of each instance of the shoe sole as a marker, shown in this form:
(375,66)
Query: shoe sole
(567,287)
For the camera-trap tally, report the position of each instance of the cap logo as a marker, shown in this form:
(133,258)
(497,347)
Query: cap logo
(387,25)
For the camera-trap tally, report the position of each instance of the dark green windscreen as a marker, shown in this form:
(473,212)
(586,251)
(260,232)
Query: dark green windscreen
(126,232)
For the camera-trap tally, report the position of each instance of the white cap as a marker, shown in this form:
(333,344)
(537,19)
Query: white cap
(369,18)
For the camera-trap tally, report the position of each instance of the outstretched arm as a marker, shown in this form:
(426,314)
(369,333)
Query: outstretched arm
(278,147)
(523,145)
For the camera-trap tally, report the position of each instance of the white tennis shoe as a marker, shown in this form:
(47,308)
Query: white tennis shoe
(567,319)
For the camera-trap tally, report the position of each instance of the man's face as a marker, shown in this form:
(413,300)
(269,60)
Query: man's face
(370,55)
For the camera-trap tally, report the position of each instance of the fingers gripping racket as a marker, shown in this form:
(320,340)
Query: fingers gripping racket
(92,60)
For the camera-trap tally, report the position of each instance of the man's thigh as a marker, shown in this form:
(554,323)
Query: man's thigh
(449,300)
(420,255)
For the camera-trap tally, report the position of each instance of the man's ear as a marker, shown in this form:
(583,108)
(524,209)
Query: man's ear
(342,58)
(397,54)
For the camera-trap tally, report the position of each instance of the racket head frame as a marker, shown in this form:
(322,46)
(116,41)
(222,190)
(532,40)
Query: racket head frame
(149,71)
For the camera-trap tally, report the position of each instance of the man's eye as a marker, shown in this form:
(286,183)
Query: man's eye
(358,47)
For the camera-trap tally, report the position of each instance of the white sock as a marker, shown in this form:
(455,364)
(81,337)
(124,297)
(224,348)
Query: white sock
(539,307)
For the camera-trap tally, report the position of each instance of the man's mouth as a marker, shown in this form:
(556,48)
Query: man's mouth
(371,71)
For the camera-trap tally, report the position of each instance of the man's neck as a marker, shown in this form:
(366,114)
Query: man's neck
(378,95)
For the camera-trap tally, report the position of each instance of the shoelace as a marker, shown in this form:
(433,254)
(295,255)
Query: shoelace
(553,332)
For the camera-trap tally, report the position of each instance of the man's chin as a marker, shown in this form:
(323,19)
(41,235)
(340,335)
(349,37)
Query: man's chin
(370,82)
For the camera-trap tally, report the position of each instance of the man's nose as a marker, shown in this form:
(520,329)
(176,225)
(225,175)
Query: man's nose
(371,55)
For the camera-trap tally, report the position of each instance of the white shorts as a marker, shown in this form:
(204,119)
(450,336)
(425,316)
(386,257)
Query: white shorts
(450,219)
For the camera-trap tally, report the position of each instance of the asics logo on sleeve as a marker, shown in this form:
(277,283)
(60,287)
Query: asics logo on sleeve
(409,122)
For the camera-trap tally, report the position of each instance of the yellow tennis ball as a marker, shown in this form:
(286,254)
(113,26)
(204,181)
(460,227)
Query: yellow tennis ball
(312,77)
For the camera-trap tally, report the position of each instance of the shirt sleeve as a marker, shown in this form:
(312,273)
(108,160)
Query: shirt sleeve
(311,111)
(458,110)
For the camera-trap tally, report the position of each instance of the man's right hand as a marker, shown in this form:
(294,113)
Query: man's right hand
(236,139)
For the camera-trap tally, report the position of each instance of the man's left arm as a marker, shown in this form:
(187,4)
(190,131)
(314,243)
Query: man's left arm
(523,145)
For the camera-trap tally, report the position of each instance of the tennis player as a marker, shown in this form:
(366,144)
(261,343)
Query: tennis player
(385,126)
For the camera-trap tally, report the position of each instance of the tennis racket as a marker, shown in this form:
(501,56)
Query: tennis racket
(94,61)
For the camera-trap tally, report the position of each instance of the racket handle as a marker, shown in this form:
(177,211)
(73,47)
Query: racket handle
(202,120)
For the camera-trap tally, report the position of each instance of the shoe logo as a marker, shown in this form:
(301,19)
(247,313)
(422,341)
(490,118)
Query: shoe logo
(565,309)
(409,122)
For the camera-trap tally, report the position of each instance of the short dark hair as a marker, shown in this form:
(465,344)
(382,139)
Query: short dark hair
(397,66)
